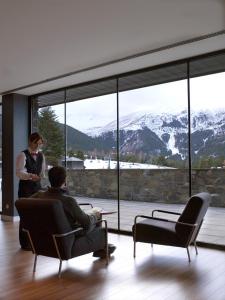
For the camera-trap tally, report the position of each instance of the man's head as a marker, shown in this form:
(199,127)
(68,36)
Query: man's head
(57,176)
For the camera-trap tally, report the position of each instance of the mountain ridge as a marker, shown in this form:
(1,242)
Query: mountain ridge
(163,134)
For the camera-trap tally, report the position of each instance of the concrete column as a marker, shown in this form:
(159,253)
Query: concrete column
(15,131)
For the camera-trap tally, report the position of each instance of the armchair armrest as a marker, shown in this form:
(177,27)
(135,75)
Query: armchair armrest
(103,221)
(166,220)
(186,224)
(86,204)
(58,235)
(166,212)
(147,217)
(80,229)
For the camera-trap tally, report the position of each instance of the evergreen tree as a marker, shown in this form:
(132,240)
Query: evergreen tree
(49,128)
(71,153)
(80,154)
(159,160)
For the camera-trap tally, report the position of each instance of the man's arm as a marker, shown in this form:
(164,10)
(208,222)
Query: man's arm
(77,215)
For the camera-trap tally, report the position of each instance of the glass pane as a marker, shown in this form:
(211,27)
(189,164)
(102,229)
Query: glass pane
(49,122)
(208,150)
(153,128)
(91,152)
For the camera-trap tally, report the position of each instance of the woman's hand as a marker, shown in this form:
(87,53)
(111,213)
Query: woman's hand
(34,177)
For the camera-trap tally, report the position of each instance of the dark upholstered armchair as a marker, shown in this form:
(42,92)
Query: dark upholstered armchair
(50,233)
(180,233)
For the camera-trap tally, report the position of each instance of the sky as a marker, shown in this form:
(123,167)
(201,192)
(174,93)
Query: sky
(207,93)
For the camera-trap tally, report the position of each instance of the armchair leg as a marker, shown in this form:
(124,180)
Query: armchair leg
(107,254)
(35,262)
(189,258)
(134,238)
(106,242)
(60,267)
(196,249)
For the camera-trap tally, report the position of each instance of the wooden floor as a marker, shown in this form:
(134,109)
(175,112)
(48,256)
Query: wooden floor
(159,273)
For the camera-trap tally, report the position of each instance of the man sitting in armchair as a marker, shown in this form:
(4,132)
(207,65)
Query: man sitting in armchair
(75,215)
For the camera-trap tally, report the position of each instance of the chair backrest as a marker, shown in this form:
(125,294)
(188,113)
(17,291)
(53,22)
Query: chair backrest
(194,213)
(44,217)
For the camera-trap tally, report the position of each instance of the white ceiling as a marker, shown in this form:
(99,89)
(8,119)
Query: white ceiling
(44,39)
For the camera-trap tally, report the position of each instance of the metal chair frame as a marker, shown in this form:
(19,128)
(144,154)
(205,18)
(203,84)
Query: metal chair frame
(171,221)
(56,236)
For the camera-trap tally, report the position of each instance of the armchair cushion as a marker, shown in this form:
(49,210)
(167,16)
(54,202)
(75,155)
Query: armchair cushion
(156,231)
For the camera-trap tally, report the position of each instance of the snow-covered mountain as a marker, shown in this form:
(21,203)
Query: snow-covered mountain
(167,134)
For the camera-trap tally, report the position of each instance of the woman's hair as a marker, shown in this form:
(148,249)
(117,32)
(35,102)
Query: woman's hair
(35,137)
(57,176)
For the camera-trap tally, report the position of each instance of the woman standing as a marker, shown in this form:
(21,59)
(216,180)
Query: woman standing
(30,168)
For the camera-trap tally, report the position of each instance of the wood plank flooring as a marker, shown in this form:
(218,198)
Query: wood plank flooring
(161,273)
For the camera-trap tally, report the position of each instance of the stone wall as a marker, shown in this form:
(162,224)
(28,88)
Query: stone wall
(156,185)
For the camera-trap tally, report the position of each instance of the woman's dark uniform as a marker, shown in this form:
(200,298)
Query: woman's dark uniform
(28,187)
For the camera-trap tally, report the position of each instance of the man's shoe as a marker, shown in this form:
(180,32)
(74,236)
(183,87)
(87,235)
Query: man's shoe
(102,253)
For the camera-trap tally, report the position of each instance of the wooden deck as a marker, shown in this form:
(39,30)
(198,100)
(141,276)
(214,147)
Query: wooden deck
(212,231)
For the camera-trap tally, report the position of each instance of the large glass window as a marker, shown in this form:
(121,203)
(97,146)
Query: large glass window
(207,143)
(91,147)
(146,139)
(51,127)
(49,121)
(153,128)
